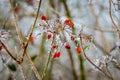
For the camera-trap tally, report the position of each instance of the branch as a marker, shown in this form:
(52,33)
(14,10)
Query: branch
(10,54)
(91,61)
(31,32)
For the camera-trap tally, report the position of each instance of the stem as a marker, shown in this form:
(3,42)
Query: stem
(82,70)
(52,3)
(20,38)
(48,61)
(46,66)
(31,32)
(66,8)
(50,77)
(70,54)
(72,62)
(73,66)
(33,27)
(21,67)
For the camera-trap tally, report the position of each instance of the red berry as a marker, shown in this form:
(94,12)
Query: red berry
(54,45)
(17,8)
(71,24)
(67,46)
(72,38)
(67,21)
(58,54)
(54,55)
(43,17)
(31,40)
(49,36)
(78,50)
(1,47)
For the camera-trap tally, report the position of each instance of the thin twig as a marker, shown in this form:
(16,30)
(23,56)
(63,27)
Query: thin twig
(22,71)
(66,8)
(10,54)
(31,32)
(25,48)
(32,66)
(6,20)
(91,61)
(21,67)
(107,68)
(101,48)
(104,40)
(113,22)
(33,27)
(16,22)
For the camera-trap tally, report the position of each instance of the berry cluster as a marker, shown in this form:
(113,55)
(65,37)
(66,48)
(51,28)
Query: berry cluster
(54,28)
(69,23)
(56,54)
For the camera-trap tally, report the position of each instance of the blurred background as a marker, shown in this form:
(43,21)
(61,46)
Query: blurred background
(101,39)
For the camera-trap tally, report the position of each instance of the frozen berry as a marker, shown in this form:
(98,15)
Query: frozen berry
(67,46)
(49,36)
(78,50)
(54,45)
(43,17)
